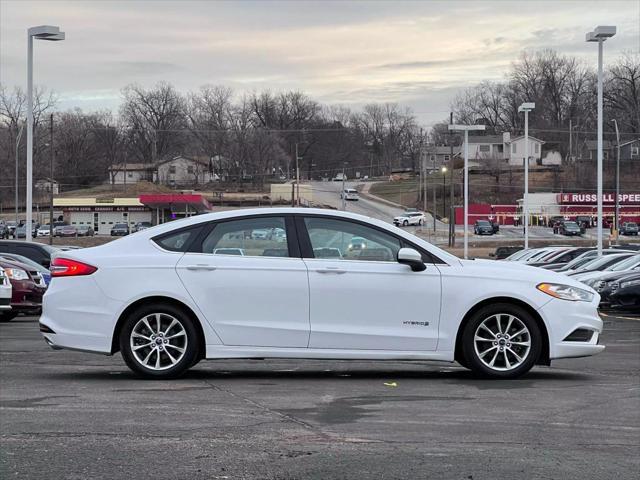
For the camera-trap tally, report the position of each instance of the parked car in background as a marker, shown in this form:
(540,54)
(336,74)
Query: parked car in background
(26,290)
(629,228)
(11,225)
(625,265)
(561,257)
(5,292)
(45,273)
(84,230)
(503,252)
(598,264)
(120,230)
(57,227)
(4,231)
(396,298)
(583,258)
(409,218)
(67,231)
(570,229)
(608,283)
(44,230)
(483,227)
(627,296)
(349,194)
(21,231)
(38,252)
(138,227)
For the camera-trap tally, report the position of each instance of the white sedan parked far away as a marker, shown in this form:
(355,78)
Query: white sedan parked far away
(166,297)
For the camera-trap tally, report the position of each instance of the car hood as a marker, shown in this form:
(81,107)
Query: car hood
(521,272)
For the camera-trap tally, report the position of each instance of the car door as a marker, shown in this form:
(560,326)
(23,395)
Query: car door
(360,296)
(254,290)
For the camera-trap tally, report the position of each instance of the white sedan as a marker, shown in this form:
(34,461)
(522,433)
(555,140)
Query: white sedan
(165,301)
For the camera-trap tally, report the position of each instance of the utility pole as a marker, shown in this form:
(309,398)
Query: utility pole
(452,220)
(51,156)
(297,177)
(344,200)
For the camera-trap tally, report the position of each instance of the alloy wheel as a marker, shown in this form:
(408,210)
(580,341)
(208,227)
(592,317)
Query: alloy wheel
(502,342)
(158,341)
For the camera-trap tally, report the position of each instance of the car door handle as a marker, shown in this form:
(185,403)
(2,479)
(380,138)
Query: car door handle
(200,267)
(337,270)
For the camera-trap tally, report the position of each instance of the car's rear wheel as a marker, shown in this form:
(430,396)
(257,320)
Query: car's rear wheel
(159,341)
(501,341)
(405,223)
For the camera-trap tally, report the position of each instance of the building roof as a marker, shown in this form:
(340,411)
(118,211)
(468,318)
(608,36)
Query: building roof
(630,142)
(593,144)
(199,160)
(486,139)
(530,138)
(132,166)
(94,201)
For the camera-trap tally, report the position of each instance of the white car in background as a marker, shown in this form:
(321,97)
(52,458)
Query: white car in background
(409,218)
(165,302)
(44,230)
(5,291)
(350,194)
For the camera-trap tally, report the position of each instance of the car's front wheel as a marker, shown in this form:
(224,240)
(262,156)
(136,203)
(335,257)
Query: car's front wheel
(159,341)
(405,223)
(501,341)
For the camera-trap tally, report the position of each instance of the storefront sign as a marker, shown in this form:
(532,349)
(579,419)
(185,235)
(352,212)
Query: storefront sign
(592,198)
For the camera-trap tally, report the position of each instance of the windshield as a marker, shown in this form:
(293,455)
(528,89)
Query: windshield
(120,225)
(483,222)
(627,264)
(596,263)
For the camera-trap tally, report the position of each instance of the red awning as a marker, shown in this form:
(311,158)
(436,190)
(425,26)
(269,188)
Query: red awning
(176,202)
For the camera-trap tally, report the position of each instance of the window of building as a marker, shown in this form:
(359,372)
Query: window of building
(190,169)
(485,148)
(130,174)
(172,169)
(254,237)
(537,148)
(345,240)
(514,148)
(447,158)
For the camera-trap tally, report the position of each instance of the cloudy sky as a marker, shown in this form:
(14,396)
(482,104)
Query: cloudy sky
(417,53)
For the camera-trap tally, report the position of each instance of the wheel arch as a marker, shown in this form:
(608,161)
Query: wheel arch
(115,344)
(543,359)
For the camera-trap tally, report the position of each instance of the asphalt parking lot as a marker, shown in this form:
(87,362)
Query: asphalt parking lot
(79,416)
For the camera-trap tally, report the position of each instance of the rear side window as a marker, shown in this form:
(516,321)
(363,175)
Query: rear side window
(177,241)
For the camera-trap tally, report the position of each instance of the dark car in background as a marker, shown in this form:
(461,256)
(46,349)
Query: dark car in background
(38,252)
(44,272)
(629,228)
(120,230)
(503,252)
(570,229)
(483,227)
(627,296)
(67,231)
(5,232)
(84,231)
(27,290)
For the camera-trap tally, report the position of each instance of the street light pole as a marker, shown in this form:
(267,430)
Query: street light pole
(465,129)
(444,192)
(17,170)
(600,34)
(617,208)
(43,32)
(51,157)
(526,108)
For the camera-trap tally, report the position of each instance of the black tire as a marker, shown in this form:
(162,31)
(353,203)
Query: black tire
(405,223)
(472,358)
(8,316)
(420,222)
(191,354)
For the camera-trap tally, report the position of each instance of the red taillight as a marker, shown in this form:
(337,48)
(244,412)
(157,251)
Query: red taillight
(64,267)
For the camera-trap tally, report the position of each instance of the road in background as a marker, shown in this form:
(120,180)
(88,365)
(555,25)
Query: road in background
(74,415)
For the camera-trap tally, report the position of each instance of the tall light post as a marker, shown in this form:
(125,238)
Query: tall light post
(617,208)
(17,170)
(526,108)
(43,32)
(466,129)
(600,34)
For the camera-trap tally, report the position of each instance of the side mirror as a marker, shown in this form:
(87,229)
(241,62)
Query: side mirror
(411,257)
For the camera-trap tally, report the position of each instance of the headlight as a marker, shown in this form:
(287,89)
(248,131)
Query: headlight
(565,292)
(630,283)
(16,274)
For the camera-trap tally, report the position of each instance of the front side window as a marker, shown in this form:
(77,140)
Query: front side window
(345,240)
(253,237)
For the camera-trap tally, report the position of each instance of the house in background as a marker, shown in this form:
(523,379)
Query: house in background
(485,147)
(630,150)
(184,171)
(516,151)
(589,150)
(121,173)
(46,185)
(439,155)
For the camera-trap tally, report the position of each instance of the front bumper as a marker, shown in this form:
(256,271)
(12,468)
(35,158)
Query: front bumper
(562,318)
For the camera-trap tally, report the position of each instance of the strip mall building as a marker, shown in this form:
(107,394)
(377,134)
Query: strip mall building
(103,213)
(543,206)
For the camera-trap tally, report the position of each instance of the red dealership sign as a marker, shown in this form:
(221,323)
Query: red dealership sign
(592,198)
